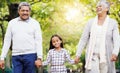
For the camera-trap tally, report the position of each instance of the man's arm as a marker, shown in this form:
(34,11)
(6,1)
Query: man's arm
(6,45)
(38,44)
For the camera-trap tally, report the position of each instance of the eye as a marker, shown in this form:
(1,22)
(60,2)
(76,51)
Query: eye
(27,10)
(100,6)
(22,10)
(53,41)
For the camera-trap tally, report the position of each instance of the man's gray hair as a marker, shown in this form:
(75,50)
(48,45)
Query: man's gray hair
(24,4)
(106,4)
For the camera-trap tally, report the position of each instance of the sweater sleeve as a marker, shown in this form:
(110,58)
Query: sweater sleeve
(68,58)
(38,40)
(84,39)
(7,41)
(116,39)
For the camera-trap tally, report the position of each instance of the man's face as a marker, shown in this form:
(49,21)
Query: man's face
(101,8)
(24,12)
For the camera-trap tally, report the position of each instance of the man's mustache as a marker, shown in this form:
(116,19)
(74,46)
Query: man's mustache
(25,15)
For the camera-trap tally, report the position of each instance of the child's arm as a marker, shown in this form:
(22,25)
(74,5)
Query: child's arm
(67,56)
(47,61)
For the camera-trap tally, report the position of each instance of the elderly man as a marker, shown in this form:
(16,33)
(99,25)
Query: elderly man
(101,35)
(26,37)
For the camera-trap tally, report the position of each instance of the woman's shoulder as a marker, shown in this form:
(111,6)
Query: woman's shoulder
(89,22)
(111,20)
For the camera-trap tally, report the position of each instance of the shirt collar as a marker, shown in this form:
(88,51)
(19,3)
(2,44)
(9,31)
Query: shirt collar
(60,50)
(19,19)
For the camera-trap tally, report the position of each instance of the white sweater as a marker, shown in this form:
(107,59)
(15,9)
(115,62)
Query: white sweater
(26,38)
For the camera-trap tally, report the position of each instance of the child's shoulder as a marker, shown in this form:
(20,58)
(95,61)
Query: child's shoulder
(51,50)
(64,49)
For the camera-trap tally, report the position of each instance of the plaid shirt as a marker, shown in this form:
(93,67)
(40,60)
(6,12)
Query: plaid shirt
(57,60)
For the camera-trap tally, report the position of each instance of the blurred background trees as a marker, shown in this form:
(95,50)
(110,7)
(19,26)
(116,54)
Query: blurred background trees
(63,17)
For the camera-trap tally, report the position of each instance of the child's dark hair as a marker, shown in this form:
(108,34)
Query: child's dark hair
(51,45)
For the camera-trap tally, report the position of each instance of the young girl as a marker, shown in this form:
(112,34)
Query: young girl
(57,56)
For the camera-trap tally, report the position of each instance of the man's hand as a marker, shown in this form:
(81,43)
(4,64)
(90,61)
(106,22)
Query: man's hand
(2,64)
(38,63)
(76,60)
(114,57)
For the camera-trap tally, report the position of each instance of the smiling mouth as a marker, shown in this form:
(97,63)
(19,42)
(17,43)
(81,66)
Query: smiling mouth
(24,15)
(99,10)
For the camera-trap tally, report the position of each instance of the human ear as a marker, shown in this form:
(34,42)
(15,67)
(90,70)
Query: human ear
(107,9)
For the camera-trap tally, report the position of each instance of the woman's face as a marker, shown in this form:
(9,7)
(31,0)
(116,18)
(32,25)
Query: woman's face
(101,8)
(56,42)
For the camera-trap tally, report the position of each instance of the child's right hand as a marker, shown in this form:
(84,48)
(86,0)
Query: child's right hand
(38,63)
(2,64)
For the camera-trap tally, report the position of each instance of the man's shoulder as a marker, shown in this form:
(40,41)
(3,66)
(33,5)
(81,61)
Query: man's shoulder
(13,20)
(33,20)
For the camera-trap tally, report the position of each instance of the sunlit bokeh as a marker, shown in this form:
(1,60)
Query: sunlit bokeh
(71,18)
(74,12)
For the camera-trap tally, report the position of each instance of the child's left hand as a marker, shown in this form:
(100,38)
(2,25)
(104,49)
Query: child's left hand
(114,57)
(38,63)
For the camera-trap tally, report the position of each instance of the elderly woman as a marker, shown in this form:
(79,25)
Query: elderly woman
(101,35)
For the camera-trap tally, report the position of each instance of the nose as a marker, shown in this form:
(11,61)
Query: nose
(25,11)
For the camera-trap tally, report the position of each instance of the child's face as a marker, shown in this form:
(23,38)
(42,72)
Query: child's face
(56,42)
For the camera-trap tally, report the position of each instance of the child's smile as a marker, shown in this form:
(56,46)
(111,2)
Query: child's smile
(56,42)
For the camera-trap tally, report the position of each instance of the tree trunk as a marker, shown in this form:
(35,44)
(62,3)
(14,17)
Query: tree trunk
(3,31)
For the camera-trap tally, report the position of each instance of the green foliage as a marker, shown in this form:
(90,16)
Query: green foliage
(63,17)
(118,62)
(42,12)
(115,10)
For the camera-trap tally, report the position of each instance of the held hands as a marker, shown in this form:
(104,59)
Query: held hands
(38,63)
(2,64)
(76,60)
(114,57)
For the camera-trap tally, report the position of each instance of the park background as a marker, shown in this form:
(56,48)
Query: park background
(66,18)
